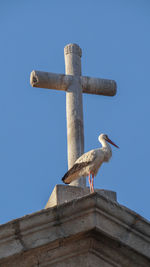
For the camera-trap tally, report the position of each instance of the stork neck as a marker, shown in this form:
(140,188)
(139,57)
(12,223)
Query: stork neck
(105,144)
(107,150)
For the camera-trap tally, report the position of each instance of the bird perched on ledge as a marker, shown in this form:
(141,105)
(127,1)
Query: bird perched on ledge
(89,163)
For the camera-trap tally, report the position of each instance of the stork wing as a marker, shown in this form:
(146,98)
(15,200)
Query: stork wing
(73,172)
(80,163)
(88,156)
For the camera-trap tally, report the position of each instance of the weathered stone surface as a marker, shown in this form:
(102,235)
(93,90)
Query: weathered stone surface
(63,194)
(88,231)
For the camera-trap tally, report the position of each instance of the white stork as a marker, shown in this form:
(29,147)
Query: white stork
(89,163)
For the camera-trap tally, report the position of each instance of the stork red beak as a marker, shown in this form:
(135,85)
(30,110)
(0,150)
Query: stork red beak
(108,140)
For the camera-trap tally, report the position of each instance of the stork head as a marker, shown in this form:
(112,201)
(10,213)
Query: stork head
(106,138)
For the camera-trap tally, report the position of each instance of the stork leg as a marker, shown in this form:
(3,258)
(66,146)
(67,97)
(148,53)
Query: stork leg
(92,183)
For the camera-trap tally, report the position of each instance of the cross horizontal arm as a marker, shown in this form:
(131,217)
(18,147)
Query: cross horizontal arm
(62,82)
(98,86)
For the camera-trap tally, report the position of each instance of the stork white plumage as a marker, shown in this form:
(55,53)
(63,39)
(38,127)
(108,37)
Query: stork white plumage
(89,163)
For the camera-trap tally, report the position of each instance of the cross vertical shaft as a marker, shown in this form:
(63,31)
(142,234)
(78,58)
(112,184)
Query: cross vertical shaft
(74,108)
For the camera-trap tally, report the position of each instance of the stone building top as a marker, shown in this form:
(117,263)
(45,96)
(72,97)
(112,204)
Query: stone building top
(93,224)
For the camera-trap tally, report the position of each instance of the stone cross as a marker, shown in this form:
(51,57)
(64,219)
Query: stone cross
(74,84)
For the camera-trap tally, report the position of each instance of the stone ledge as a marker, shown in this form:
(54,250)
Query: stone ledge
(89,249)
(73,219)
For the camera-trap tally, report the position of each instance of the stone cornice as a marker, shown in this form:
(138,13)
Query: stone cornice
(76,217)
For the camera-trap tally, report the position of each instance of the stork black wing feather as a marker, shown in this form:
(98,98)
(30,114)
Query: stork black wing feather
(77,167)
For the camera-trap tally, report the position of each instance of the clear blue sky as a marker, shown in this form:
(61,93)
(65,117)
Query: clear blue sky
(115,39)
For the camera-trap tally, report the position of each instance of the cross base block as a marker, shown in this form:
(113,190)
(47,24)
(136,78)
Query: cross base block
(64,193)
